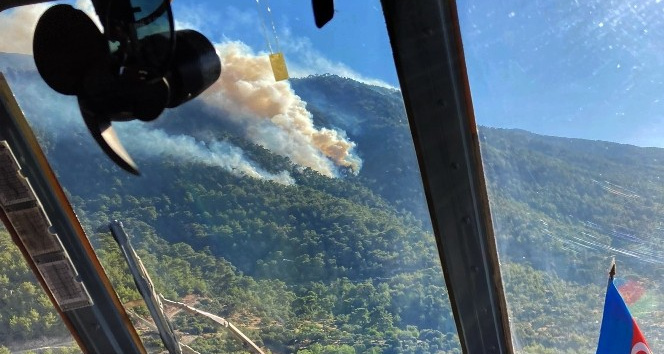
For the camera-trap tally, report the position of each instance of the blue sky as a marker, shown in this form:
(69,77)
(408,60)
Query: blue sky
(591,69)
(354,43)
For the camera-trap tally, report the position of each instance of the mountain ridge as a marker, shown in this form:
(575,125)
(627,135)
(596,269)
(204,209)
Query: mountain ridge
(355,254)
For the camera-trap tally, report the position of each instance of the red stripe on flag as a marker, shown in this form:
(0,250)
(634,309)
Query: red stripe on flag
(639,344)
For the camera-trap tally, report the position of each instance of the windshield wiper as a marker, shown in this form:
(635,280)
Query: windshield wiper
(155,302)
(145,288)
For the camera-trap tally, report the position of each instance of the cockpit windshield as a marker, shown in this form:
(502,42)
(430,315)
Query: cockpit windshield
(291,209)
(568,98)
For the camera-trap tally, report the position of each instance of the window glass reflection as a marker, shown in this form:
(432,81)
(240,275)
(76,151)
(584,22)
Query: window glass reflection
(292,209)
(567,98)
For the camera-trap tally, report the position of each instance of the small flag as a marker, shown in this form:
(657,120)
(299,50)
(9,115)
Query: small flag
(619,333)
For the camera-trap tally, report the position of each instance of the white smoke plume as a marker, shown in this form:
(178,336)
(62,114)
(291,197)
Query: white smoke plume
(17,27)
(148,143)
(269,112)
(58,117)
(273,115)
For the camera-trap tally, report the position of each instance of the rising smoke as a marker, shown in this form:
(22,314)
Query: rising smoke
(59,119)
(17,27)
(268,113)
(148,143)
(273,115)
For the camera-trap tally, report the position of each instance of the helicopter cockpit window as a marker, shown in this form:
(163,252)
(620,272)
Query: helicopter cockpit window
(567,96)
(291,209)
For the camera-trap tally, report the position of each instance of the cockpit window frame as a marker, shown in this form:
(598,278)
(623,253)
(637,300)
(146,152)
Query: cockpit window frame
(428,52)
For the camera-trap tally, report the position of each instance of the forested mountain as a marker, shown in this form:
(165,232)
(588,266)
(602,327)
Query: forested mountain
(309,263)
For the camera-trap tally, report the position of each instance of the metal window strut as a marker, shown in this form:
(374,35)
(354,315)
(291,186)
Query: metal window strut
(428,53)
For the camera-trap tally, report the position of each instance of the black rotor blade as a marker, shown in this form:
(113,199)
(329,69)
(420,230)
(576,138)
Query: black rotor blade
(196,66)
(105,135)
(66,43)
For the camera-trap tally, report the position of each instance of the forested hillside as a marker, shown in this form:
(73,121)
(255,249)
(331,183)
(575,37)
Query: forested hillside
(306,262)
(562,208)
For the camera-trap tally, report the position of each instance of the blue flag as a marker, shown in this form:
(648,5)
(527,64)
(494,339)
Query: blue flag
(619,333)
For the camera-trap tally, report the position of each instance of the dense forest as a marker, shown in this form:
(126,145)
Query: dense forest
(346,263)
